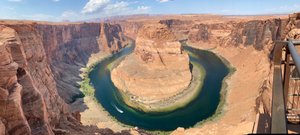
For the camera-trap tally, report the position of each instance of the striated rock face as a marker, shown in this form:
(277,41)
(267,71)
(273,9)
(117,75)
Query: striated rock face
(68,48)
(39,67)
(213,32)
(259,34)
(158,68)
(2,128)
(25,101)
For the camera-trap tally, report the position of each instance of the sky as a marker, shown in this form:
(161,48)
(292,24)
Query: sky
(77,10)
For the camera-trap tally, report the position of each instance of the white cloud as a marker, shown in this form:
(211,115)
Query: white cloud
(116,8)
(94,5)
(15,0)
(162,1)
(118,5)
(124,8)
(143,9)
(105,8)
(92,9)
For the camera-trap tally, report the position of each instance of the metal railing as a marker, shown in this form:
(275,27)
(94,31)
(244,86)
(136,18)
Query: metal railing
(286,86)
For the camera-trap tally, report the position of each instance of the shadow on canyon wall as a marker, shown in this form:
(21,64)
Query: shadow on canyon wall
(68,49)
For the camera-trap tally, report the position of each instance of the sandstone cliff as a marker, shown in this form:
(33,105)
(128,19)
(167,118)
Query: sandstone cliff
(39,68)
(31,91)
(257,33)
(68,48)
(130,29)
(222,31)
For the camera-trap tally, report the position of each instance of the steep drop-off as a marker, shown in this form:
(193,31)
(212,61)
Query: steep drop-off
(69,47)
(39,69)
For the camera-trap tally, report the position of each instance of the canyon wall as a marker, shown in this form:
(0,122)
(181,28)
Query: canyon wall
(130,29)
(235,32)
(68,48)
(39,69)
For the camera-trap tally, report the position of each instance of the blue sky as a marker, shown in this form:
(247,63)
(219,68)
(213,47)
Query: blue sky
(74,10)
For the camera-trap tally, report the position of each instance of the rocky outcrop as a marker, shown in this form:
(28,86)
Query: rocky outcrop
(292,29)
(39,67)
(200,33)
(151,73)
(130,28)
(27,102)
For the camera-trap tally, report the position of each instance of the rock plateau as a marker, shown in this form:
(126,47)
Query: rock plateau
(157,69)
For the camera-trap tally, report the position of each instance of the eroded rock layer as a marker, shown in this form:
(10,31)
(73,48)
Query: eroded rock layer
(69,47)
(39,68)
(157,70)
(213,31)
(29,105)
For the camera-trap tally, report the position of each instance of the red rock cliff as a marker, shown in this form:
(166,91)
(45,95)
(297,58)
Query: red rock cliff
(30,100)
(68,48)
(259,33)
(39,67)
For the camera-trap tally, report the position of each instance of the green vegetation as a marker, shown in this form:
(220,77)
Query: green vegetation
(160,132)
(85,85)
(86,88)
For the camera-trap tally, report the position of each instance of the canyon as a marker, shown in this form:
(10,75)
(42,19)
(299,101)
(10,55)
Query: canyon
(39,73)
(40,66)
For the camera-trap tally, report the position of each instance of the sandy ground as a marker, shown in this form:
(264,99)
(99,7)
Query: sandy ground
(96,115)
(243,88)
